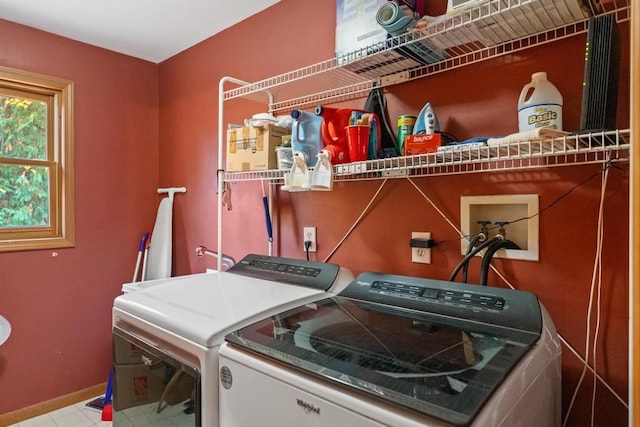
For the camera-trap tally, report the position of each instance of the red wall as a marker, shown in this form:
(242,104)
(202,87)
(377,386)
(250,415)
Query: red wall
(60,306)
(478,100)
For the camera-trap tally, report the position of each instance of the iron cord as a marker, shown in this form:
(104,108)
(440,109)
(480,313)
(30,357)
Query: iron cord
(606,166)
(486,259)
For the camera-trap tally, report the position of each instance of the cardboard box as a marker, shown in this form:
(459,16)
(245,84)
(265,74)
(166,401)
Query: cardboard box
(253,148)
(421,143)
(126,353)
(136,385)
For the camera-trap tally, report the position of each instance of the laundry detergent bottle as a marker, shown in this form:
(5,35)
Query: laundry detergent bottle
(334,122)
(539,105)
(334,134)
(305,135)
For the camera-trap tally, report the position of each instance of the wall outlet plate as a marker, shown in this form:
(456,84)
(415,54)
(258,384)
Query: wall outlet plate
(509,207)
(421,255)
(309,233)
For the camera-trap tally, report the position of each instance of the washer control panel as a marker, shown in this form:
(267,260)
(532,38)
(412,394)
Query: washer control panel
(310,274)
(435,295)
(496,306)
(280,267)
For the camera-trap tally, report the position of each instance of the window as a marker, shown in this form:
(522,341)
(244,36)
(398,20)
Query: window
(36,161)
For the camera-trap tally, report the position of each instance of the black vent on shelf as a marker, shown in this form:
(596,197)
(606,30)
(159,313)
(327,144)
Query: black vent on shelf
(600,86)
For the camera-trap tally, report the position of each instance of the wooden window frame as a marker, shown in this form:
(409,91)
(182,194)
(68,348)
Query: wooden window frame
(61,230)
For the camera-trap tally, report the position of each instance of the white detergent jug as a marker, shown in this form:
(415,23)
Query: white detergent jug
(540,105)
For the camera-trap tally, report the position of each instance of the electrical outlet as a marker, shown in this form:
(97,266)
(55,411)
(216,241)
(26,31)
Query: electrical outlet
(309,234)
(421,255)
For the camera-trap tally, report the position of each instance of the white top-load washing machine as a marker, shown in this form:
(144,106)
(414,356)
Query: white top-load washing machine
(396,351)
(167,334)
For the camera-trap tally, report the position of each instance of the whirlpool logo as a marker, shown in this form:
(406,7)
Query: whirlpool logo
(308,407)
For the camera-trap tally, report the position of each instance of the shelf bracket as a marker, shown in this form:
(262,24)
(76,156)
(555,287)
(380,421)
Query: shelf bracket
(393,79)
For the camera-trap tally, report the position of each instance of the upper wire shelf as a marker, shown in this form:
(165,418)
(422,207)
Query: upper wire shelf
(491,29)
(588,148)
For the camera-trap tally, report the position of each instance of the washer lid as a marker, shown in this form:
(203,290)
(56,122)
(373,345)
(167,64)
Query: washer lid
(443,357)
(204,307)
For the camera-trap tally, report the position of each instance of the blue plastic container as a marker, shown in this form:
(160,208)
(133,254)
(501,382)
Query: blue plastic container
(305,135)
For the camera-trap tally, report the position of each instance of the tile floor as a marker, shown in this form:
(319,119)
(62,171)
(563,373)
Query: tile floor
(77,415)
(147,416)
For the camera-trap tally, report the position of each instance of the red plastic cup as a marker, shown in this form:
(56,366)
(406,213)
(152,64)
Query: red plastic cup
(358,142)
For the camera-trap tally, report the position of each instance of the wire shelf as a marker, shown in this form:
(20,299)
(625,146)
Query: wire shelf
(491,29)
(587,148)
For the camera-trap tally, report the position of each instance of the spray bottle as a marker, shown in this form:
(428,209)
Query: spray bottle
(298,178)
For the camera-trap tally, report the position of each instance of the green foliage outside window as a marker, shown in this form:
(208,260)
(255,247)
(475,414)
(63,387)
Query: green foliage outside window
(24,186)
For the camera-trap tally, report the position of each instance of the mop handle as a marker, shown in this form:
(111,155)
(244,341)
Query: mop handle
(172,191)
(144,259)
(265,202)
(143,242)
(141,246)
(267,215)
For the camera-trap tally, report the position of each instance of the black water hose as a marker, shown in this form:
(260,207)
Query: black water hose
(470,246)
(471,254)
(486,259)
